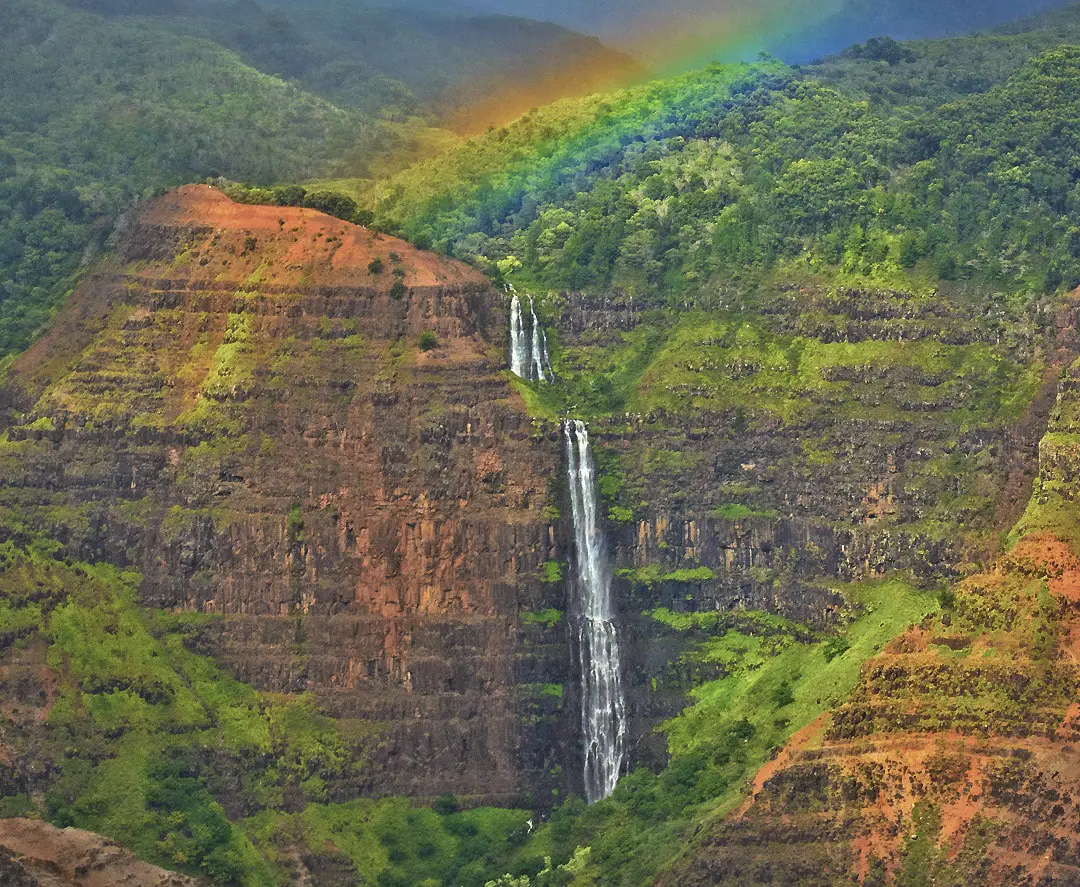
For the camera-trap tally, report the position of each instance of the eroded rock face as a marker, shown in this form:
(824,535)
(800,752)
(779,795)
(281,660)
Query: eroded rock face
(242,409)
(955,760)
(784,442)
(36,854)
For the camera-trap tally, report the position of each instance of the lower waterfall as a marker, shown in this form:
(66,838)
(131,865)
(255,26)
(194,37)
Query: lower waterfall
(603,707)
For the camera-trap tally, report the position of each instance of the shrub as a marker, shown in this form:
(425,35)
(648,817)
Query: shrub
(375,266)
(445,804)
(397,290)
(549,618)
(331,203)
(428,340)
(783,695)
(835,647)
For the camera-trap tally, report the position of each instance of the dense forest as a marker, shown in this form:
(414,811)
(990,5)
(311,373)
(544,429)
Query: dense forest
(955,159)
(104,103)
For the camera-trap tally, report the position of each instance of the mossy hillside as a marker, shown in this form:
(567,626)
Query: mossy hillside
(394,842)
(777,678)
(144,737)
(1050,508)
(713,363)
(966,715)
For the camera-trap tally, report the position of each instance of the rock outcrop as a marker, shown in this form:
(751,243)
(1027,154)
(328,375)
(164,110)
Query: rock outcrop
(36,854)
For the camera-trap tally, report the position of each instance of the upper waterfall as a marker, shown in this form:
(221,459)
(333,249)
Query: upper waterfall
(529,357)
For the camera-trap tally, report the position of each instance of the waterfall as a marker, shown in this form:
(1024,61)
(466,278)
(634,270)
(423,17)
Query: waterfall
(539,347)
(529,357)
(603,716)
(519,361)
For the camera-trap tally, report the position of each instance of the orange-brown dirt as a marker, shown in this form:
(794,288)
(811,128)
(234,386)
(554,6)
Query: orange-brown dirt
(965,715)
(297,242)
(36,854)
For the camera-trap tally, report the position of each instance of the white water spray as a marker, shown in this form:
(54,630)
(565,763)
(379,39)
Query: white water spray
(519,359)
(529,357)
(603,707)
(539,346)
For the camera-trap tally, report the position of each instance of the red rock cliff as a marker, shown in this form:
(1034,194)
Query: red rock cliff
(242,407)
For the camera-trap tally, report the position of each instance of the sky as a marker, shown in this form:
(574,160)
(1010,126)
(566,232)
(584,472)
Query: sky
(685,33)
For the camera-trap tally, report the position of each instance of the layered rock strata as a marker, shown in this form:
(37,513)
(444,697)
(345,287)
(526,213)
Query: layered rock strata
(303,427)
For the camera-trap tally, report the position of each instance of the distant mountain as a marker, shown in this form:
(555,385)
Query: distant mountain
(415,56)
(929,73)
(902,20)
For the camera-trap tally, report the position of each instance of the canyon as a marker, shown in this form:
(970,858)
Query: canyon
(302,438)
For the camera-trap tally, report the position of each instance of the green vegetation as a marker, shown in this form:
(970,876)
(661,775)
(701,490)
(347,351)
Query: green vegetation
(102,104)
(883,180)
(391,841)
(732,511)
(651,574)
(777,680)
(98,113)
(934,162)
(141,726)
(548,618)
(150,742)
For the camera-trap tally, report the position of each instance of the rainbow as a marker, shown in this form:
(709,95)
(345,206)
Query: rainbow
(665,43)
(731,31)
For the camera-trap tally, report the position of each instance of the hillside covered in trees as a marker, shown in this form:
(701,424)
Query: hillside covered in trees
(102,103)
(955,158)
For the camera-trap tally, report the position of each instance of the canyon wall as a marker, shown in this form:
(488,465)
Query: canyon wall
(325,454)
(783,441)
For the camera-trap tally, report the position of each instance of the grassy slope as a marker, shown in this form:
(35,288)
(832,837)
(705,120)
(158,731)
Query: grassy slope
(780,679)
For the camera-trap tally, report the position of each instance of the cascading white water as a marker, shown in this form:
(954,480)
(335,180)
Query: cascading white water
(519,349)
(529,357)
(539,346)
(545,356)
(603,708)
